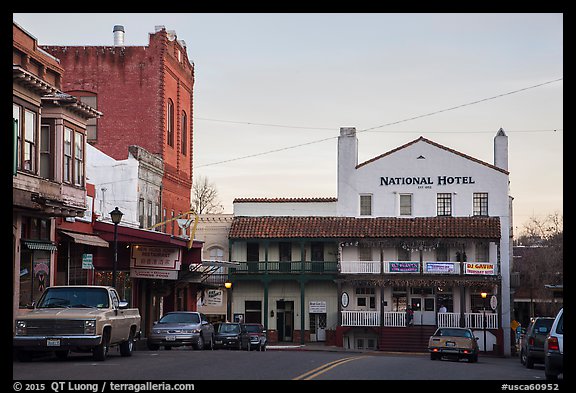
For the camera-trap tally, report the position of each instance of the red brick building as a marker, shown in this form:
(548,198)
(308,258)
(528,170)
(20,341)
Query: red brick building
(146,93)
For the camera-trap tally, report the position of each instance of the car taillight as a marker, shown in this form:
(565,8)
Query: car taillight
(531,341)
(553,344)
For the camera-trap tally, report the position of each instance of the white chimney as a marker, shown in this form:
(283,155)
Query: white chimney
(501,150)
(347,161)
(118,35)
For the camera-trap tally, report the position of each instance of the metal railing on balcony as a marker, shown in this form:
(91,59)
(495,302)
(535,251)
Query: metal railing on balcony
(291,267)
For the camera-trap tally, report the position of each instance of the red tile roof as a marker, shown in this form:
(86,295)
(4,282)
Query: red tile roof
(377,227)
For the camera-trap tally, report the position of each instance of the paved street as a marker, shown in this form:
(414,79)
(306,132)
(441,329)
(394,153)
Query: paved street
(185,364)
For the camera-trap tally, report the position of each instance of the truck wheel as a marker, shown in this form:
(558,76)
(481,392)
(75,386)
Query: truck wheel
(127,346)
(101,351)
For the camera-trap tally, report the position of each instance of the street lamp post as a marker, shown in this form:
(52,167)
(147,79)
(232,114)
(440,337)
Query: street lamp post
(484,295)
(116,216)
(228,286)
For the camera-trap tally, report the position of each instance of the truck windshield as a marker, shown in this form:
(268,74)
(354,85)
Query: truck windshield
(74,297)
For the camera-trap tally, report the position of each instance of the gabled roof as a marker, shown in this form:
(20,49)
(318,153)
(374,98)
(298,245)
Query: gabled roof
(350,227)
(422,139)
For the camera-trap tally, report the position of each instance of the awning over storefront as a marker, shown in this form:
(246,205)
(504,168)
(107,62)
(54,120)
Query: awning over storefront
(39,245)
(84,238)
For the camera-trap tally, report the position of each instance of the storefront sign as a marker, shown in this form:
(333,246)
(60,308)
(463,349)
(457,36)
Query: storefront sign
(439,267)
(486,269)
(87,261)
(154,274)
(425,180)
(317,307)
(345,299)
(404,267)
(155,257)
(210,297)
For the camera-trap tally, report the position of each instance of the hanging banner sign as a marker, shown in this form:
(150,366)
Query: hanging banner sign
(440,267)
(486,269)
(404,267)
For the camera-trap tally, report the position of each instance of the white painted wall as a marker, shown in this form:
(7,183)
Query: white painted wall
(116,183)
(293,209)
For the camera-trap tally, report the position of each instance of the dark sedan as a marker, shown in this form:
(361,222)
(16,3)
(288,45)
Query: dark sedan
(230,335)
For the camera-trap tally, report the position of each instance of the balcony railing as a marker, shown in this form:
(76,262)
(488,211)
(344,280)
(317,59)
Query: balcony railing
(398,319)
(280,267)
(416,267)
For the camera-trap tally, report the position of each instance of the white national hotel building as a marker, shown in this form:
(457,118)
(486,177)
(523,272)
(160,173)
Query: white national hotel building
(421,225)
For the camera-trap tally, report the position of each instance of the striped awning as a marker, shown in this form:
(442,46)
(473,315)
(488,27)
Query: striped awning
(39,245)
(85,238)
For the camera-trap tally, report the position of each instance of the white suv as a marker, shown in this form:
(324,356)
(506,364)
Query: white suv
(554,349)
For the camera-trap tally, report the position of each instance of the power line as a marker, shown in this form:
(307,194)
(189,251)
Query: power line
(367,129)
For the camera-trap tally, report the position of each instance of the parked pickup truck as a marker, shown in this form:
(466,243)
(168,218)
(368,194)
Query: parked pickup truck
(79,318)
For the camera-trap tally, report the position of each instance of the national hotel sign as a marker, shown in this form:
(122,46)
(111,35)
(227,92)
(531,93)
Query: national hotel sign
(425,181)
(155,262)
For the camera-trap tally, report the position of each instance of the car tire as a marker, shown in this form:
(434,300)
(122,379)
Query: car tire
(529,362)
(434,356)
(101,351)
(523,358)
(473,358)
(200,343)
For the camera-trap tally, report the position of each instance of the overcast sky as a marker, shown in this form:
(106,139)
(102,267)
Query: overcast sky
(265,83)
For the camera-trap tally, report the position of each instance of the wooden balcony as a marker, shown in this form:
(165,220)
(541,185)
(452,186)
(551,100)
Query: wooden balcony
(416,267)
(281,267)
(398,319)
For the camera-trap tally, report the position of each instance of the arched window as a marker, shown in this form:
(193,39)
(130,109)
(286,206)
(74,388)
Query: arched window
(184,123)
(170,122)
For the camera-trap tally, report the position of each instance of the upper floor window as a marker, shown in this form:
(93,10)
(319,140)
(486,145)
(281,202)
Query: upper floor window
(444,204)
(184,126)
(365,253)
(68,136)
(480,204)
(482,252)
(30,140)
(285,251)
(141,212)
(365,205)
(216,254)
(442,253)
(46,152)
(92,123)
(405,204)
(73,169)
(170,123)
(404,254)
(78,159)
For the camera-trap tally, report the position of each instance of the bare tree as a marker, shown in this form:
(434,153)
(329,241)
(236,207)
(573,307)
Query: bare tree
(205,197)
(539,259)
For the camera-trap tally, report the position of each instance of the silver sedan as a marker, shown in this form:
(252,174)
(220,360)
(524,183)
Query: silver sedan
(179,328)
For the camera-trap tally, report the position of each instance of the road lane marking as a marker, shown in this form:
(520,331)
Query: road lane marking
(325,367)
